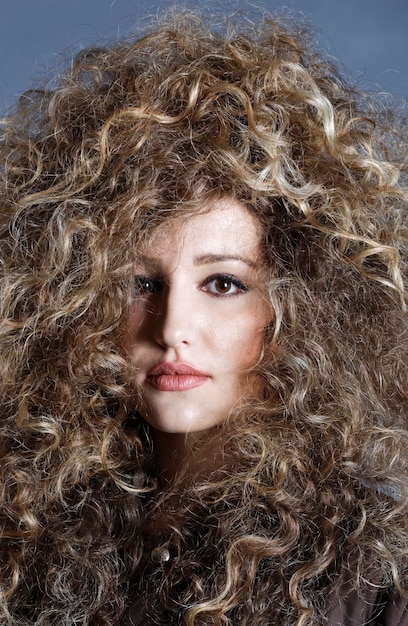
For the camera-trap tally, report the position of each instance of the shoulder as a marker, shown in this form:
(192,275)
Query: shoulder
(395,612)
(374,607)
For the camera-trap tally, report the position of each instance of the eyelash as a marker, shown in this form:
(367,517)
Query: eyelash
(226,278)
(141,288)
(146,286)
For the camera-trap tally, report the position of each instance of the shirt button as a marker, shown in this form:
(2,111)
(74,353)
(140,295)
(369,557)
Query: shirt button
(160,555)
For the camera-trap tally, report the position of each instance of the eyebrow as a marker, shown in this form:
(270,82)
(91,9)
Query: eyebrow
(149,262)
(205,259)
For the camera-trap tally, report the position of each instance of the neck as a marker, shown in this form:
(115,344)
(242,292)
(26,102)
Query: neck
(172,451)
(186,456)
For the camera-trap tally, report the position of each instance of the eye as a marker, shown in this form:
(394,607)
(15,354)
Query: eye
(224,285)
(143,286)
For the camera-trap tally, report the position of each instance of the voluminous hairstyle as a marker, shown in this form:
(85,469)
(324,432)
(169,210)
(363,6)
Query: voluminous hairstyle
(314,492)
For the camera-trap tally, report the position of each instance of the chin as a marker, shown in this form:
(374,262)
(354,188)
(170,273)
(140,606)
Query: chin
(181,426)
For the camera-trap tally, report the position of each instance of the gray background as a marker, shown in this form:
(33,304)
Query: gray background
(369,37)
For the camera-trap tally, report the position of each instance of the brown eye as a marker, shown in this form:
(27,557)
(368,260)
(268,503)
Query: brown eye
(224,285)
(143,285)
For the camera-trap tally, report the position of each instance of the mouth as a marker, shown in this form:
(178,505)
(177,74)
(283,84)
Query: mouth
(176,377)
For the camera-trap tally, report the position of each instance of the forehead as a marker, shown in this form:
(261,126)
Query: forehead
(223,226)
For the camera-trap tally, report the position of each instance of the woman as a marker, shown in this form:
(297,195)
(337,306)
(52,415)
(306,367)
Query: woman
(204,414)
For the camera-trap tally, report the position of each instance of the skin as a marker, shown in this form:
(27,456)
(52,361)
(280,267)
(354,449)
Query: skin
(198,300)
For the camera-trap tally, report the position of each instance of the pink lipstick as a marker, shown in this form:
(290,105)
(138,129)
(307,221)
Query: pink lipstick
(175,377)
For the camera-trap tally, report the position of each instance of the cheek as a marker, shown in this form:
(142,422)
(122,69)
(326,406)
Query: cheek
(240,341)
(131,332)
(252,341)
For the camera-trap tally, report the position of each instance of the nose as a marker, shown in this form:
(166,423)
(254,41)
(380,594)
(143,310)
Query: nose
(175,321)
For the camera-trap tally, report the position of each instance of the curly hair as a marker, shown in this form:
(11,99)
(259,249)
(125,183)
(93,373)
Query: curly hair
(314,491)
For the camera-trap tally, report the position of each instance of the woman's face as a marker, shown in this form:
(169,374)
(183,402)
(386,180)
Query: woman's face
(198,318)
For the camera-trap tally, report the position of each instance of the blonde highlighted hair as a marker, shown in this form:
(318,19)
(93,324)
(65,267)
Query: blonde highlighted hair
(139,133)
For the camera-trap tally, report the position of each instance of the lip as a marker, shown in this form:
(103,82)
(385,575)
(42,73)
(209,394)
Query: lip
(175,376)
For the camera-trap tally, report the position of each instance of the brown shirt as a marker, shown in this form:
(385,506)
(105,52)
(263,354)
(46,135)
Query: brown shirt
(351,610)
(372,609)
